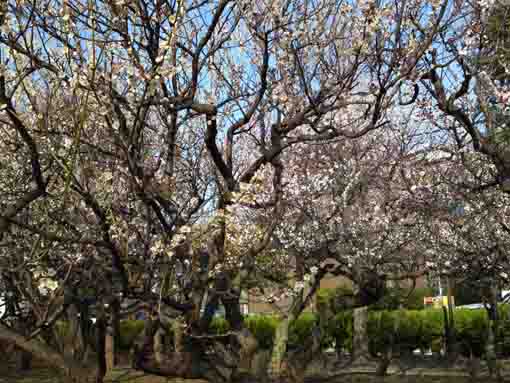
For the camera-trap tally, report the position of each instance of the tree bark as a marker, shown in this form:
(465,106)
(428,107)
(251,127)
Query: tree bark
(75,340)
(109,349)
(452,348)
(248,346)
(182,363)
(73,370)
(112,336)
(178,327)
(360,350)
(101,327)
(490,347)
(277,367)
(24,360)
(159,347)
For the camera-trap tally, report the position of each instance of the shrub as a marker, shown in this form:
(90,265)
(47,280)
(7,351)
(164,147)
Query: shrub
(467,293)
(62,328)
(325,296)
(219,325)
(394,297)
(129,331)
(340,329)
(380,329)
(409,335)
(432,329)
(471,330)
(417,329)
(336,300)
(415,300)
(301,329)
(263,328)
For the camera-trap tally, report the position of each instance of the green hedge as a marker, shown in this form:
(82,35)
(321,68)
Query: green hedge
(129,331)
(264,328)
(415,329)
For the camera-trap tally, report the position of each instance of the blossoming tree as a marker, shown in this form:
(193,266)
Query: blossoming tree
(125,124)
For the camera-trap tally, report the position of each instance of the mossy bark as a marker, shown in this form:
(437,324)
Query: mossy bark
(360,350)
(490,348)
(277,366)
(159,346)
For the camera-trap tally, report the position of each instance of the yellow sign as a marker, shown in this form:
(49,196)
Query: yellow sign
(437,302)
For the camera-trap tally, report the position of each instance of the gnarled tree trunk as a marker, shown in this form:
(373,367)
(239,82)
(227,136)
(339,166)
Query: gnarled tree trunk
(101,328)
(277,367)
(75,340)
(159,346)
(360,350)
(452,348)
(490,347)
(112,336)
(74,372)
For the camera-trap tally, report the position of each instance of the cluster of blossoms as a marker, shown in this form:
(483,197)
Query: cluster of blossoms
(45,280)
(132,108)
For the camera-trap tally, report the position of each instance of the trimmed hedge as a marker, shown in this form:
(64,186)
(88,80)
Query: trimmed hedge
(129,331)
(416,329)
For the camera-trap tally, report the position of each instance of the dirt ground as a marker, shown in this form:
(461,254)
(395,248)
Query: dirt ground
(41,375)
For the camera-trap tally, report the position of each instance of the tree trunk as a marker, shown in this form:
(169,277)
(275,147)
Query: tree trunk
(75,340)
(248,346)
(74,371)
(452,348)
(277,367)
(159,347)
(393,348)
(177,327)
(490,351)
(245,339)
(183,363)
(23,358)
(360,350)
(112,336)
(490,348)
(101,327)
(23,361)
(446,322)
(212,304)
(109,349)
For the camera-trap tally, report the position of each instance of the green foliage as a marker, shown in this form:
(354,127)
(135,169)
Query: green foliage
(503,333)
(413,329)
(409,299)
(466,294)
(340,329)
(129,331)
(263,328)
(219,325)
(380,329)
(498,36)
(336,300)
(325,296)
(62,329)
(415,299)
(471,330)
(410,329)
(432,328)
(301,329)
